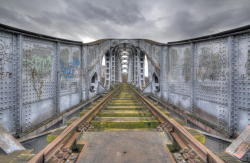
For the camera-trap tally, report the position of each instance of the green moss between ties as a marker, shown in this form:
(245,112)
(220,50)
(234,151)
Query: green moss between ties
(125,125)
(146,114)
(50,138)
(197,135)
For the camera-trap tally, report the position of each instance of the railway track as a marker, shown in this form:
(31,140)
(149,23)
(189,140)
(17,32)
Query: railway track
(124,108)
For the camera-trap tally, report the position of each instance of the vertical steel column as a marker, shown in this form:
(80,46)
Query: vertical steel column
(193,76)
(86,76)
(231,119)
(138,77)
(107,62)
(110,64)
(83,69)
(167,71)
(163,71)
(97,54)
(19,85)
(58,79)
(81,72)
(135,68)
(150,72)
(116,68)
(130,69)
(111,67)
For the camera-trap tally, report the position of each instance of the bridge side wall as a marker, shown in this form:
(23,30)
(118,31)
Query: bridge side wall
(70,70)
(210,79)
(9,80)
(240,61)
(179,75)
(40,77)
(38,81)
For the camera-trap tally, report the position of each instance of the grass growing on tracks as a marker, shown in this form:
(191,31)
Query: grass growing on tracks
(125,125)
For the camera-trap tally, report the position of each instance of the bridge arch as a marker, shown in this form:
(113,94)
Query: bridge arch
(111,49)
(124,59)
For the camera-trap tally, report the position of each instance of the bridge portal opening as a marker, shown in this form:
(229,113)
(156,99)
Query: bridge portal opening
(124,62)
(94,83)
(156,85)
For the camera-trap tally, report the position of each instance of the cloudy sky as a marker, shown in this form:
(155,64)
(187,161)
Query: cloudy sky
(159,20)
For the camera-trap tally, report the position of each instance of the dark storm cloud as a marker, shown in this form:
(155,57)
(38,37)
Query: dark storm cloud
(123,13)
(161,20)
(188,24)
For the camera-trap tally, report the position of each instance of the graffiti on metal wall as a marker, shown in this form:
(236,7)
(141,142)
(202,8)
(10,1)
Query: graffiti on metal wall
(180,64)
(210,65)
(5,60)
(70,68)
(244,63)
(69,65)
(173,61)
(211,69)
(37,64)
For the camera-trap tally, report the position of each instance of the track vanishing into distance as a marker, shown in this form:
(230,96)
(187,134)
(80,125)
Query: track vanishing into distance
(125,126)
(124,111)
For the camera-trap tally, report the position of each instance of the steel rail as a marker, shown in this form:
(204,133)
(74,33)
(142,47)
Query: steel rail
(46,153)
(177,131)
(203,152)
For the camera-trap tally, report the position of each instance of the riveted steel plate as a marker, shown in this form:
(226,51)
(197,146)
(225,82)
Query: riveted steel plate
(241,79)
(8,80)
(211,83)
(179,75)
(70,64)
(38,81)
